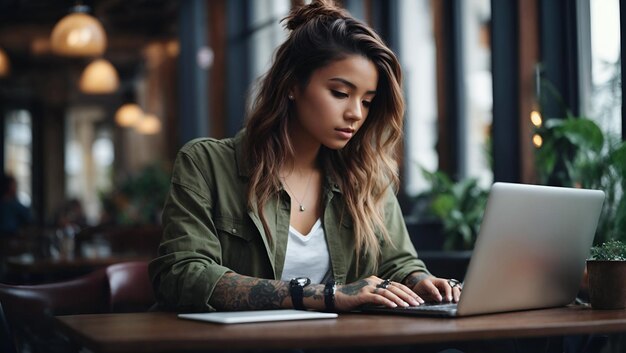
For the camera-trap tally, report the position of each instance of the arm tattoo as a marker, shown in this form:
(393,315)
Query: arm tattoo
(353,288)
(414,278)
(238,292)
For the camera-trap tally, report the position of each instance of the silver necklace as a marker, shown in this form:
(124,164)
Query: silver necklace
(306,192)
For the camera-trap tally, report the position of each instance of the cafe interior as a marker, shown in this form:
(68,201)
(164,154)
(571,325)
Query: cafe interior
(97,97)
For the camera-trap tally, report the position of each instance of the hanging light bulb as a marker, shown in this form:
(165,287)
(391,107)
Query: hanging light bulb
(128,115)
(535,118)
(99,77)
(148,125)
(78,34)
(5,65)
(537,140)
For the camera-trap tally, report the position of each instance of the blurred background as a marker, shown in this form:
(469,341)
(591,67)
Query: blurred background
(96,97)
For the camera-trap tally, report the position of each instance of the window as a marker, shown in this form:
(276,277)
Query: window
(253,33)
(103,155)
(89,155)
(417,56)
(267,34)
(477,90)
(18,146)
(606,98)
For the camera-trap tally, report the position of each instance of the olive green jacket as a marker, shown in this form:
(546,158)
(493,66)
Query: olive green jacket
(209,230)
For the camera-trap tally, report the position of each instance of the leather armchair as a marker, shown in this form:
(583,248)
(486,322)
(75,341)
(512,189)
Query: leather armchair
(30,309)
(130,289)
(6,338)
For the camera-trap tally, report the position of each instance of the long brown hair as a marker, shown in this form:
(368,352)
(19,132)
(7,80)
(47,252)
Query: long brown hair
(366,168)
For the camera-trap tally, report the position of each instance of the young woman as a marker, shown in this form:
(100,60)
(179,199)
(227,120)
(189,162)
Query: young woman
(298,210)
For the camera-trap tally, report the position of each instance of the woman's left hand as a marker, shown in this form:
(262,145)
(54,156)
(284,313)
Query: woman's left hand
(436,289)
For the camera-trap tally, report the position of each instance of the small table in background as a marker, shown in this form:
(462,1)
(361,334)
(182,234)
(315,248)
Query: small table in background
(25,269)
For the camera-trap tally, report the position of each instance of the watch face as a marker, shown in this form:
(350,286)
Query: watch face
(303,281)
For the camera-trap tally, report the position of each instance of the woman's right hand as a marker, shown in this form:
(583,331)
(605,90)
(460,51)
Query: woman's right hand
(368,291)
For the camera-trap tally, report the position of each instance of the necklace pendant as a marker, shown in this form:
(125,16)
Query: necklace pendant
(302,209)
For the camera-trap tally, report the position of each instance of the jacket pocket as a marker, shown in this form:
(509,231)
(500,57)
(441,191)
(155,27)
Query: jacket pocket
(240,244)
(228,226)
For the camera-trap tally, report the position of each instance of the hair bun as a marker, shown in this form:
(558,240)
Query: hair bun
(317,9)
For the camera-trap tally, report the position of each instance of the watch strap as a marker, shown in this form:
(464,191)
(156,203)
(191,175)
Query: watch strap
(329,295)
(296,289)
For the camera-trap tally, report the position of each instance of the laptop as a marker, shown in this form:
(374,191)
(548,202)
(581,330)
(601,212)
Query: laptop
(530,252)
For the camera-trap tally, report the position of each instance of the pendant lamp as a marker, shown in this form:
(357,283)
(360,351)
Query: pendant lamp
(148,125)
(99,77)
(128,115)
(5,65)
(78,34)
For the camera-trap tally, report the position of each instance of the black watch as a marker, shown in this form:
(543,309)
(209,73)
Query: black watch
(296,289)
(329,295)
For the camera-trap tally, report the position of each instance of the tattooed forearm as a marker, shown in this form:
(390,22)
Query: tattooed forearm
(265,294)
(237,292)
(353,288)
(414,278)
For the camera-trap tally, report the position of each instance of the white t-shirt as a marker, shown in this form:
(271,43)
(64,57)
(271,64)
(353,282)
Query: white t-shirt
(307,255)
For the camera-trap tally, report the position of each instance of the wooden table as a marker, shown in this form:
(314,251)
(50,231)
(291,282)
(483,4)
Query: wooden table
(162,332)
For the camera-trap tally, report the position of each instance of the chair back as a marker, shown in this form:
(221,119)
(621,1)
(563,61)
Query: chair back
(85,294)
(130,289)
(6,339)
(30,309)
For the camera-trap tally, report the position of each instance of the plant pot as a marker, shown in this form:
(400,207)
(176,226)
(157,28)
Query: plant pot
(447,264)
(607,284)
(426,235)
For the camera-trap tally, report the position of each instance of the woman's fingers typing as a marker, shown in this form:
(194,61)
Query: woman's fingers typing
(444,289)
(440,289)
(428,290)
(374,290)
(456,294)
(405,294)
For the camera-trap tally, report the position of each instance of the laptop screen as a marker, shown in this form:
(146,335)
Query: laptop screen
(531,248)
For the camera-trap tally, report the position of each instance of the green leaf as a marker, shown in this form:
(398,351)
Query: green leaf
(443,205)
(613,250)
(583,133)
(618,158)
(553,123)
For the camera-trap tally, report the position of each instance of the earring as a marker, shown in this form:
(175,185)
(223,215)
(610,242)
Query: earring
(290,96)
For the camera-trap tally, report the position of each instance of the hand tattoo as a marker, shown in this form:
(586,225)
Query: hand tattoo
(353,288)
(414,278)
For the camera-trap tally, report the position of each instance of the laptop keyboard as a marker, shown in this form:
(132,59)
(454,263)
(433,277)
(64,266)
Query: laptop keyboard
(430,307)
(444,309)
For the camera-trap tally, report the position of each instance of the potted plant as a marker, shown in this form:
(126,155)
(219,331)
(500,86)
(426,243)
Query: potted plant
(444,222)
(139,198)
(457,206)
(606,270)
(589,158)
(576,152)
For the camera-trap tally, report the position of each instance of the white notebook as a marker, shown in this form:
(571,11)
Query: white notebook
(238,317)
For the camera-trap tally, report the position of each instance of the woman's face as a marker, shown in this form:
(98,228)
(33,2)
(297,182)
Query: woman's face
(334,104)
